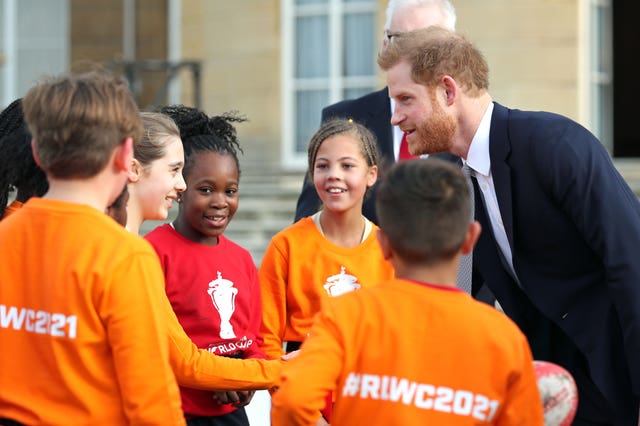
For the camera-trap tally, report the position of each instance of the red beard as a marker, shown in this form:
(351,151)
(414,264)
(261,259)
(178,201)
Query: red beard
(434,134)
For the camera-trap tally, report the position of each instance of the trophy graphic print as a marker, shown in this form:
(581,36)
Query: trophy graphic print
(342,283)
(223,295)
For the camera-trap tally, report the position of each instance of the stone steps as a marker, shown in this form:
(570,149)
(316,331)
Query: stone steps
(267,206)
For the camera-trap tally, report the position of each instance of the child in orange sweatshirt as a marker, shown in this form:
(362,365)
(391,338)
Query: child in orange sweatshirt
(330,253)
(415,349)
(83,337)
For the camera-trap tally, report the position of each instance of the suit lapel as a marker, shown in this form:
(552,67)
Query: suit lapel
(499,150)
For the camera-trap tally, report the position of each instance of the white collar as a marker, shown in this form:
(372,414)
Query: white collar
(478,157)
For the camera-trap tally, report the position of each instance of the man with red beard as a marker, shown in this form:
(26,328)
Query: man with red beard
(560,225)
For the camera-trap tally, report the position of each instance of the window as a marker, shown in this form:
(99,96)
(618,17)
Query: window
(601,71)
(328,54)
(34,41)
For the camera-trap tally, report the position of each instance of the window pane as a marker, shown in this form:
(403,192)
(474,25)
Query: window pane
(359,49)
(602,43)
(309,104)
(3,58)
(300,2)
(312,50)
(601,74)
(43,40)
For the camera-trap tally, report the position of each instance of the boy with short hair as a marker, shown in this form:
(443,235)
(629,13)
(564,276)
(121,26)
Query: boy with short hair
(414,350)
(81,326)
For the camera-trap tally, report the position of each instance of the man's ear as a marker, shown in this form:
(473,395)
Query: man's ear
(450,88)
(34,152)
(387,252)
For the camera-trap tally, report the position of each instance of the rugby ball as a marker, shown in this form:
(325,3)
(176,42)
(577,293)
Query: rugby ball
(558,392)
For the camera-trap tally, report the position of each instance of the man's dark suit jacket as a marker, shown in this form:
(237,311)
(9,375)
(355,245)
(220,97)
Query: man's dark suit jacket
(372,110)
(573,225)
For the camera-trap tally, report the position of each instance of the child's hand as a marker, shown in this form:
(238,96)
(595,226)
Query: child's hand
(245,397)
(288,356)
(322,422)
(236,398)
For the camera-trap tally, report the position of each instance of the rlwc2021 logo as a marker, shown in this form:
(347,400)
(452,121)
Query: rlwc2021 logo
(38,321)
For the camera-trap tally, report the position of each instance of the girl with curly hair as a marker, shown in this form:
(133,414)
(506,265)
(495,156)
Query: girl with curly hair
(19,172)
(212,282)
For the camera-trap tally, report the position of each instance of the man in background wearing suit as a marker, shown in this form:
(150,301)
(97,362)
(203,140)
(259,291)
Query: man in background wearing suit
(373,110)
(560,226)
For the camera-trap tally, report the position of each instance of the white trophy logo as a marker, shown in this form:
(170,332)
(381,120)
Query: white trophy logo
(342,283)
(223,295)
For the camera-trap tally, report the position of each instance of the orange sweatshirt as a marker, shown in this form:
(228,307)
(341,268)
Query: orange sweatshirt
(406,353)
(12,208)
(301,269)
(84,339)
(199,369)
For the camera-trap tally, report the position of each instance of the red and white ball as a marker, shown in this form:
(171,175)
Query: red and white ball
(558,392)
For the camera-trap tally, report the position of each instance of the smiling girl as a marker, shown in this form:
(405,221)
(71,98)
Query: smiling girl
(155,178)
(330,253)
(211,282)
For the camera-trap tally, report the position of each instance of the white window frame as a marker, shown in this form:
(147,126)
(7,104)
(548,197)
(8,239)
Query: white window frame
(174,54)
(9,48)
(335,82)
(596,70)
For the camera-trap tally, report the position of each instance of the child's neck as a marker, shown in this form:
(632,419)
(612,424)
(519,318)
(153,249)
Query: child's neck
(441,273)
(78,192)
(190,234)
(134,217)
(344,229)
(133,226)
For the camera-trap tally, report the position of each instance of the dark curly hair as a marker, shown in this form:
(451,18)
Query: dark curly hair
(18,169)
(199,132)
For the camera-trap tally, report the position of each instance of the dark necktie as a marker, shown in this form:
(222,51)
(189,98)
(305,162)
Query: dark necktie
(465,269)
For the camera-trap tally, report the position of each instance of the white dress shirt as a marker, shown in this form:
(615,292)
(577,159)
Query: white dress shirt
(479,161)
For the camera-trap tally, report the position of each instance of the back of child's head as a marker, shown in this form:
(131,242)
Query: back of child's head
(18,169)
(201,133)
(78,119)
(158,131)
(339,126)
(424,208)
